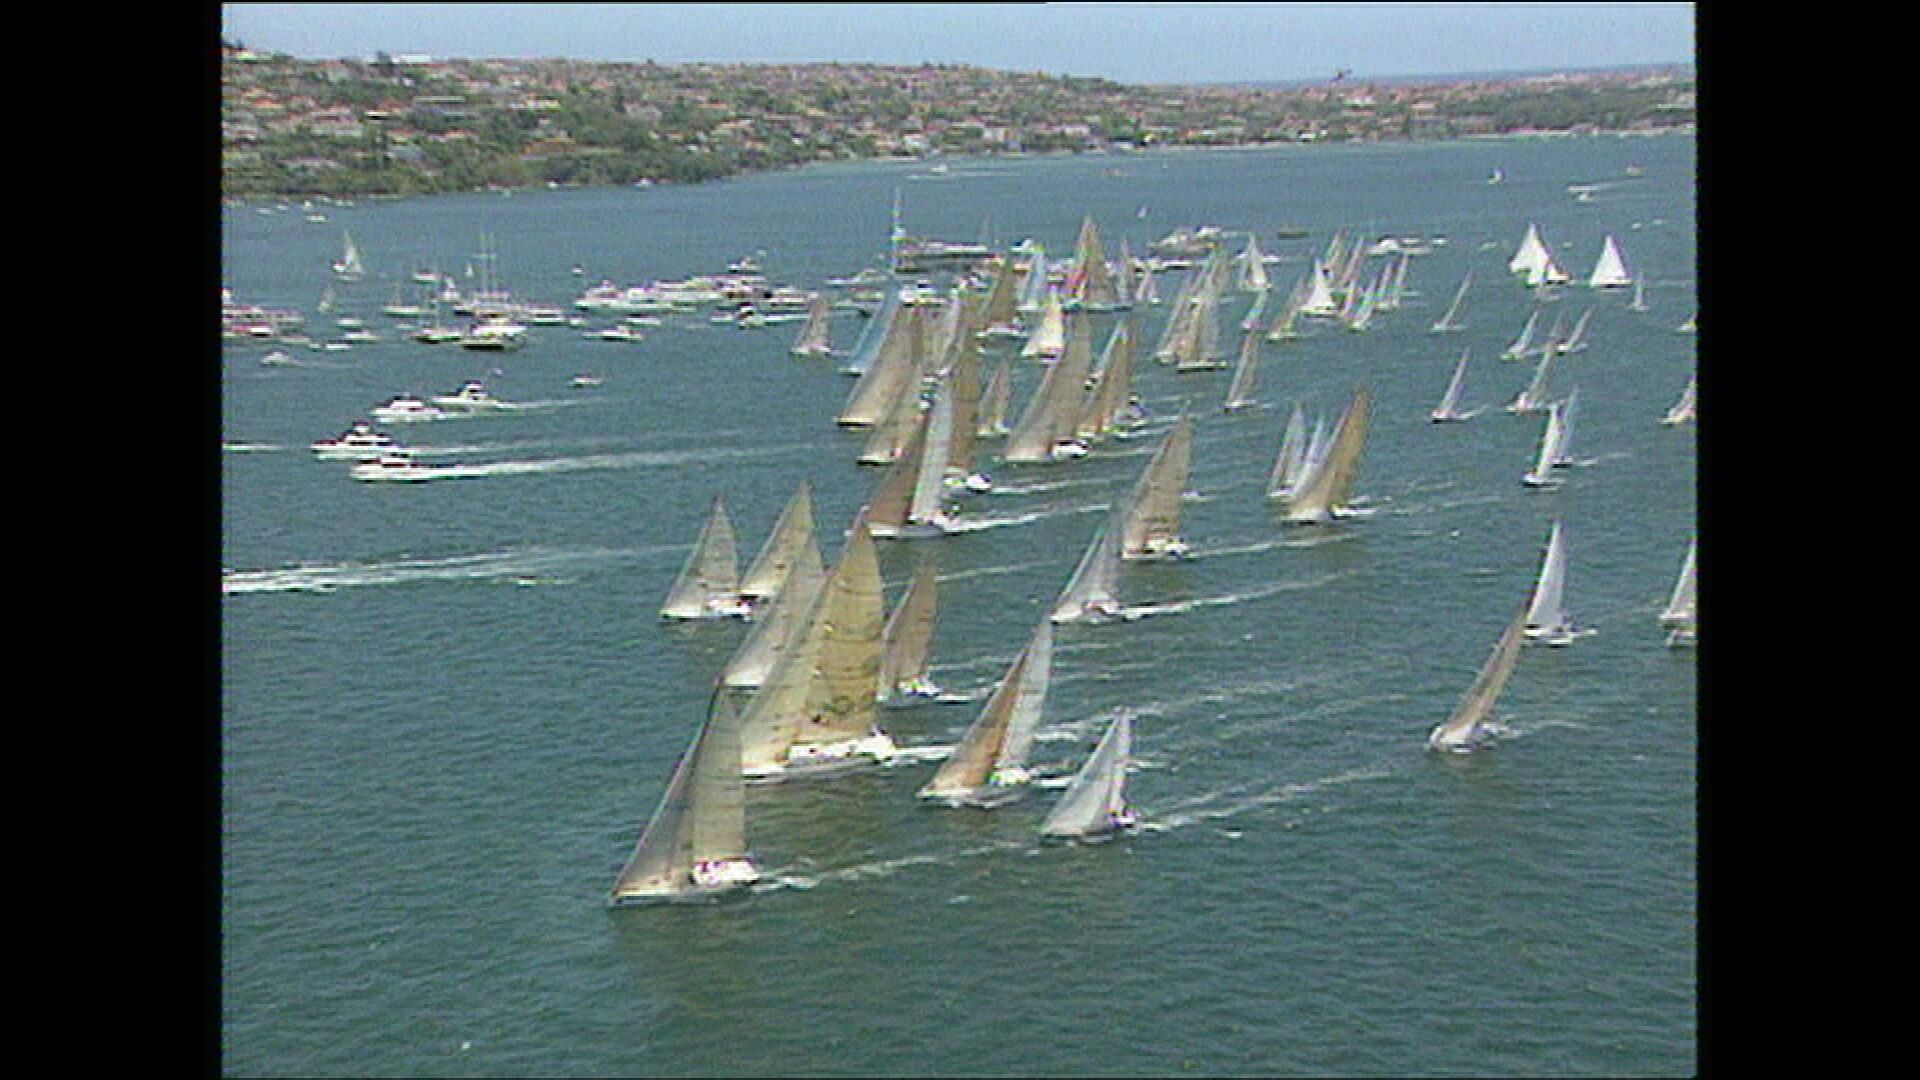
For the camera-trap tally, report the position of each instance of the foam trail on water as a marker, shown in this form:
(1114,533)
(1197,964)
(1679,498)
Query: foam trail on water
(538,566)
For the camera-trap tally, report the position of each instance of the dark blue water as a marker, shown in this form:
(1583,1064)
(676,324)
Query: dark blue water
(449,708)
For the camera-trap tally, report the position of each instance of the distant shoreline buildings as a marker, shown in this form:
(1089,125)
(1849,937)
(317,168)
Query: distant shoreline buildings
(414,124)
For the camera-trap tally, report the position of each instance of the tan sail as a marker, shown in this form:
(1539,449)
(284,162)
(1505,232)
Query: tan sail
(1092,593)
(993,751)
(1325,492)
(696,842)
(1151,525)
(907,644)
(1245,373)
(1053,411)
(891,506)
(963,376)
(994,400)
(1112,391)
(1469,725)
(893,370)
(888,439)
(791,533)
(999,315)
(814,339)
(1050,336)
(709,584)
(779,624)
(1090,282)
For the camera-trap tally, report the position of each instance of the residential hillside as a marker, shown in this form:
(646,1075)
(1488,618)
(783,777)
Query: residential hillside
(407,125)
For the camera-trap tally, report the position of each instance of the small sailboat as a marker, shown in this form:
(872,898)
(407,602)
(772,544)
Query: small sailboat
(1523,345)
(1534,397)
(1150,520)
(1471,725)
(1576,339)
(792,533)
(1092,595)
(1050,337)
(1094,806)
(1450,321)
(1552,442)
(1547,620)
(1679,616)
(907,642)
(815,335)
(988,765)
(1326,490)
(1449,408)
(1534,261)
(1639,296)
(709,584)
(1610,271)
(1683,411)
(694,847)
(1245,370)
(1287,467)
(350,266)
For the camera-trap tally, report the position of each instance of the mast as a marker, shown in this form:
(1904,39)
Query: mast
(1151,522)
(700,822)
(1469,725)
(993,751)
(1095,802)
(709,582)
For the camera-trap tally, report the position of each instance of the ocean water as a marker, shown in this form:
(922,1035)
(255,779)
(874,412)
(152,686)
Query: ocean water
(447,709)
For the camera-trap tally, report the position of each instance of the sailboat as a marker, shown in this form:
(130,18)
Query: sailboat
(1090,284)
(1534,261)
(1050,336)
(817,711)
(895,363)
(1150,522)
(792,533)
(907,641)
(1610,271)
(908,503)
(1524,344)
(1245,369)
(1091,595)
(1287,466)
(1324,493)
(1552,442)
(988,765)
(1576,340)
(350,266)
(709,584)
(1639,296)
(1679,616)
(866,351)
(1109,404)
(1471,725)
(1094,806)
(1047,427)
(1683,410)
(816,336)
(694,847)
(1449,408)
(1451,320)
(778,622)
(994,400)
(1534,397)
(1547,620)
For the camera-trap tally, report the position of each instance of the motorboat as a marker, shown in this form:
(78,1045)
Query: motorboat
(406,409)
(471,397)
(394,466)
(359,442)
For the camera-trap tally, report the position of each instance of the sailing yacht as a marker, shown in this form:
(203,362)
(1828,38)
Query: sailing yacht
(1449,408)
(1094,806)
(1683,410)
(1534,397)
(906,643)
(1471,725)
(792,533)
(1524,344)
(1288,465)
(778,622)
(709,584)
(1050,336)
(1047,428)
(815,335)
(1451,320)
(1325,491)
(1610,271)
(695,846)
(1240,391)
(1552,445)
(1680,615)
(1150,520)
(350,266)
(1547,621)
(1091,595)
(988,765)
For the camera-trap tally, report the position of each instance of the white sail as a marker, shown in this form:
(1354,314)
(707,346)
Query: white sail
(815,335)
(895,366)
(793,531)
(1551,439)
(1092,593)
(1319,299)
(1563,449)
(1449,407)
(1684,409)
(866,351)
(1610,271)
(709,583)
(1524,344)
(1095,803)
(1293,449)
(1325,492)
(907,643)
(779,622)
(694,846)
(1639,302)
(1150,522)
(925,510)
(1471,724)
(1547,620)
(1534,397)
(1451,320)
(1251,269)
(1531,255)
(1576,340)
(988,765)
(350,267)
(1679,616)
(1245,371)
(1050,336)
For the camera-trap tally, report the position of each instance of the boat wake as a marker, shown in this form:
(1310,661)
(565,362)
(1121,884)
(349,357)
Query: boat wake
(1130,613)
(1042,488)
(644,459)
(1233,801)
(250,448)
(980,524)
(536,566)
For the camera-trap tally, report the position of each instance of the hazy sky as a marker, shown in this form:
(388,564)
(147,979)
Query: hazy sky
(1134,43)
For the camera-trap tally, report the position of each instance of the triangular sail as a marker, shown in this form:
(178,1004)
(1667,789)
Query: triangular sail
(1451,320)
(1090,282)
(1325,491)
(907,643)
(1095,801)
(1534,397)
(994,747)
(815,336)
(1610,271)
(1469,724)
(1150,526)
(709,582)
(1546,611)
(1680,613)
(1050,336)
(898,359)
(1550,442)
(1092,592)
(1245,371)
(793,531)
(1293,448)
(866,351)
(777,628)
(1449,407)
(1053,411)
(1684,409)
(701,818)
(1112,391)
(994,400)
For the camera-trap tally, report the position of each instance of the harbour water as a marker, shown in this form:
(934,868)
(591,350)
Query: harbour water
(448,708)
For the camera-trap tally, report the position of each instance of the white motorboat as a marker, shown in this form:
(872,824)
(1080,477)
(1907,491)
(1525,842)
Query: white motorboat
(471,397)
(394,466)
(405,409)
(359,442)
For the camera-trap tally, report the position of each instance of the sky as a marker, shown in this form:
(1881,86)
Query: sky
(1130,43)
